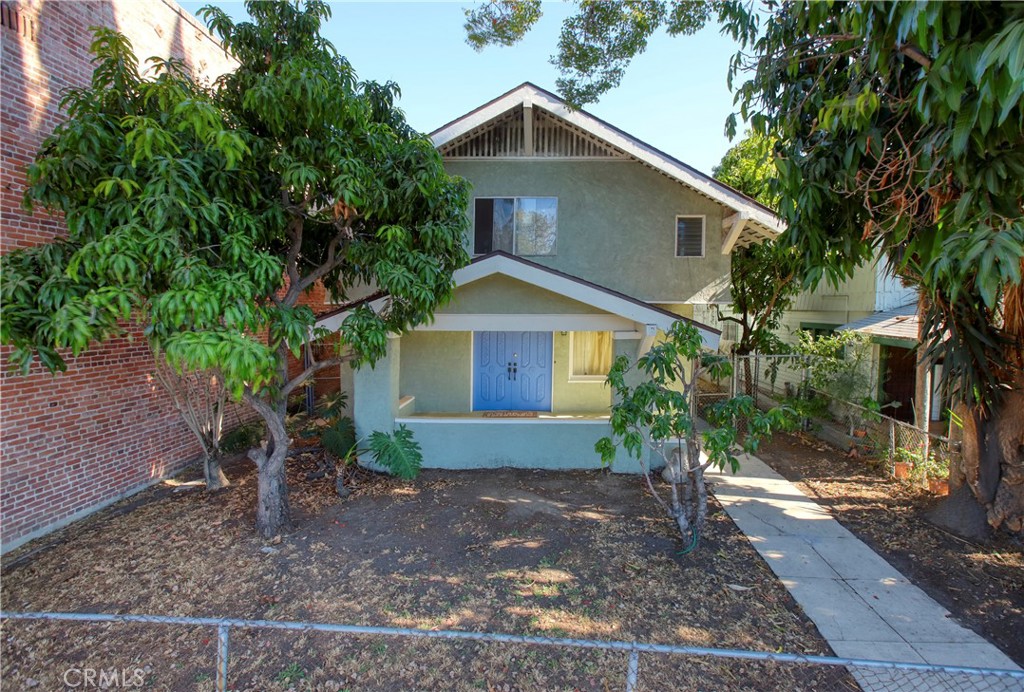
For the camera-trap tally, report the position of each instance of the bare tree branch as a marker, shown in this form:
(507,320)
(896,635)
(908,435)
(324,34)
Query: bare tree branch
(916,54)
(330,263)
(298,380)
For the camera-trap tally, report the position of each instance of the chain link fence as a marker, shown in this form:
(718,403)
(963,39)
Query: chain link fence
(623,665)
(907,451)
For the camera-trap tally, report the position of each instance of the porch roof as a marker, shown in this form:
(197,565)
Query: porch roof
(552,280)
(900,324)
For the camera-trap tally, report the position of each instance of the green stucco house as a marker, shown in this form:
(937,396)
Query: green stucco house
(587,243)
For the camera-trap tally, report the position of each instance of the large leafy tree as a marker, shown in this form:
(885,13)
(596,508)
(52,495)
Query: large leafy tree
(901,131)
(202,215)
(763,277)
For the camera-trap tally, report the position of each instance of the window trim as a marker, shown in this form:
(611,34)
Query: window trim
(585,379)
(514,198)
(703,235)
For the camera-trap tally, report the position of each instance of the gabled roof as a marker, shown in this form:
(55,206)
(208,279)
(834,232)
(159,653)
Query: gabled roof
(752,221)
(552,280)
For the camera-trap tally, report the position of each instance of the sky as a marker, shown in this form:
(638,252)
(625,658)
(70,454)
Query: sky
(674,96)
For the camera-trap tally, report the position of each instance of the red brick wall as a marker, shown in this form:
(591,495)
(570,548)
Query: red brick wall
(76,441)
(327,381)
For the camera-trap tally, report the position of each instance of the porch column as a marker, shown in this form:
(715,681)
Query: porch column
(632,345)
(376,390)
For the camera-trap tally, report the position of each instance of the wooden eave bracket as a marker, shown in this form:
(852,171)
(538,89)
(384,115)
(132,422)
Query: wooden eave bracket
(733,227)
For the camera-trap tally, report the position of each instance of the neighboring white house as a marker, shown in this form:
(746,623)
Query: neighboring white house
(872,302)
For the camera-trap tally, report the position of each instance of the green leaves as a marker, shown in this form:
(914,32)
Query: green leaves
(504,22)
(397,452)
(901,131)
(340,438)
(654,405)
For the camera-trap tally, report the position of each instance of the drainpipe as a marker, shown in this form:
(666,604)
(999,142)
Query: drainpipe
(922,380)
(310,387)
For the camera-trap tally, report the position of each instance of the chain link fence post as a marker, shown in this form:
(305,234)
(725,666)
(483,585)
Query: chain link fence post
(223,635)
(632,670)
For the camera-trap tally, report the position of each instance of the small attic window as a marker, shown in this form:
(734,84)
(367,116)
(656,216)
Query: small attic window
(689,236)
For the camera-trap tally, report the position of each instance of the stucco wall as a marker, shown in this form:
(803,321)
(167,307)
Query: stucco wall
(503,295)
(616,222)
(436,369)
(516,443)
(856,294)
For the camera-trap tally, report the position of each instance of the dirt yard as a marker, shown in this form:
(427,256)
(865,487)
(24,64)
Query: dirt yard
(981,585)
(559,554)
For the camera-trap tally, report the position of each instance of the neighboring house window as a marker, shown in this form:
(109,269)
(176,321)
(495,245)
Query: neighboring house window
(517,225)
(590,356)
(689,236)
(818,329)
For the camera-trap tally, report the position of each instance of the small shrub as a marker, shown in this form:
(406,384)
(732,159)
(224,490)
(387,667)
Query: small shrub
(340,437)
(292,673)
(241,438)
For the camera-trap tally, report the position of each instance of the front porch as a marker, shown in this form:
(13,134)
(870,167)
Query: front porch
(511,372)
(426,384)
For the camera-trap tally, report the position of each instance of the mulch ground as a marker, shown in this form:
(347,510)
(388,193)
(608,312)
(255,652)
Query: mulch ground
(582,555)
(982,585)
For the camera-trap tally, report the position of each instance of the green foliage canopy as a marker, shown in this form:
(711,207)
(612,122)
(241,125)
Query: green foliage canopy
(203,213)
(749,166)
(901,132)
(596,44)
(763,277)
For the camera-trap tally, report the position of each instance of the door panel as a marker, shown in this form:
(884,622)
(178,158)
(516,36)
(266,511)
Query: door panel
(898,384)
(512,371)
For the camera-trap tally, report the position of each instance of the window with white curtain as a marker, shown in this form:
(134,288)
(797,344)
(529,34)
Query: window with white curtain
(590,356)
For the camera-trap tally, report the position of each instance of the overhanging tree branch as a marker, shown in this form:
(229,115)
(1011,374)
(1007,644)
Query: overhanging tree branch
(299,379)
(916,54)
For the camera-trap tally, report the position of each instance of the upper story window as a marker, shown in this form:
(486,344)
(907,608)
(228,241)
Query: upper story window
(689,236)
(517,225)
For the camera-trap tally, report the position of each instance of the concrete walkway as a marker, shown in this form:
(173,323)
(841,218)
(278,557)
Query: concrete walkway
(861,604)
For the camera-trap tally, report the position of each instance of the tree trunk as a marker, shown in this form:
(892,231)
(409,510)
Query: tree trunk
(993,468)
(992,465)
(272,510)
(213,473)
(748,376)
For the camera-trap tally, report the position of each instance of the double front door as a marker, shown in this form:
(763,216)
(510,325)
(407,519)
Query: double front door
(512,371)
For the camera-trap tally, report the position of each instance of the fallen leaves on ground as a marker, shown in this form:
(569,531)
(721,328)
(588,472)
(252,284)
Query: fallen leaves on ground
(570,554)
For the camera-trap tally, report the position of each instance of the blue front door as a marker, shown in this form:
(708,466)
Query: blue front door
(511,371)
